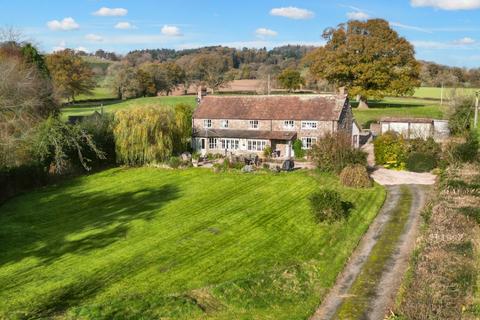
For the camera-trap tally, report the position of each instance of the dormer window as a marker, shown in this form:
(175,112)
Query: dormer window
(207,123)
(253,124)
(224,123)
(289,124)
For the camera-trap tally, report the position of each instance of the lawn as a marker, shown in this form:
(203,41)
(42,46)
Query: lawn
(399,107)
(186,244)
(86,108)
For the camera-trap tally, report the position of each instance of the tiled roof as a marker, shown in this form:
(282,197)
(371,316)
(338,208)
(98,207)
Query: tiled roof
(281,107)
(246,134)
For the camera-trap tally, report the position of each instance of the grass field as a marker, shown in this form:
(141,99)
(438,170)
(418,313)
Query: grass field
(399,107)
(186,244)
(99,93)
(85,108)
(435,93)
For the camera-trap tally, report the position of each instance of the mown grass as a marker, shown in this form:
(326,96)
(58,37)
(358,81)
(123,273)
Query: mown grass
(364,287)
(99,93)
(186,244)
(435,93)
(399,107)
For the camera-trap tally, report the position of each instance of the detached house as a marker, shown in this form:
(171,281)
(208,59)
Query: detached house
(247,124)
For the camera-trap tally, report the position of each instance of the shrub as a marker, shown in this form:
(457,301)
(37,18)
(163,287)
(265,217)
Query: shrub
(355,176)
(298,149)
(460,115)
(59,145)
(267,152)
(421,162)
(468,151)
(101,130)
(390,150)
(327,206)
(333,152)
(174,162)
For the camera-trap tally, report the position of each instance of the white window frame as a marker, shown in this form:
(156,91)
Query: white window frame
(207,123)
(230,144)
(309,125)
(289,124)
(224,123)
(254,124)
(256,145)
(308,142)
(212,143)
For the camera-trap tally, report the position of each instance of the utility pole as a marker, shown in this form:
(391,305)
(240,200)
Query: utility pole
(475,119)
(441,95)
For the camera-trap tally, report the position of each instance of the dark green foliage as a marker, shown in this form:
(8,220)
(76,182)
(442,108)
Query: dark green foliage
(291,80)
(461,116)
(328,206)
(101,130)
(355,176)
(421,162)
(267,152)
(59,145)
(333,152)
(31,56)
(468,151)
(22,178)
(174,162)
(390,150)
(298,149)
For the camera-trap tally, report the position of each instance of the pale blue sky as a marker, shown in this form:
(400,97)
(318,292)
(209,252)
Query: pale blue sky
(445,31)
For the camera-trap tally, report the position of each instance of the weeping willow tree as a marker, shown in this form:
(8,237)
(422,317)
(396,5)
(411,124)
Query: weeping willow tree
(150,135)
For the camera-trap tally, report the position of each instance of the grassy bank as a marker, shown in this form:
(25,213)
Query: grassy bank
(183,244)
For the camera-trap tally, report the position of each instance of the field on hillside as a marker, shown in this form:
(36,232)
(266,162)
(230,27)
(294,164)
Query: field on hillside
(86,108)
(435,93)
(183,244)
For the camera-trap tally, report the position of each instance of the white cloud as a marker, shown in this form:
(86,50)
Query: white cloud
(110,12)
(409,27)
(93,37)
(64,25)
(264,32)
(82,49)
(292,13)
(464,41)
(447,4)
(357,15)
(171,31)
(124,26)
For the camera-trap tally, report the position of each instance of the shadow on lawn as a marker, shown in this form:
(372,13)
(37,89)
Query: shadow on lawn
(105,219)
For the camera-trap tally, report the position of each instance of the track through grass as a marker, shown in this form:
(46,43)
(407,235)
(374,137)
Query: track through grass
(364,288)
